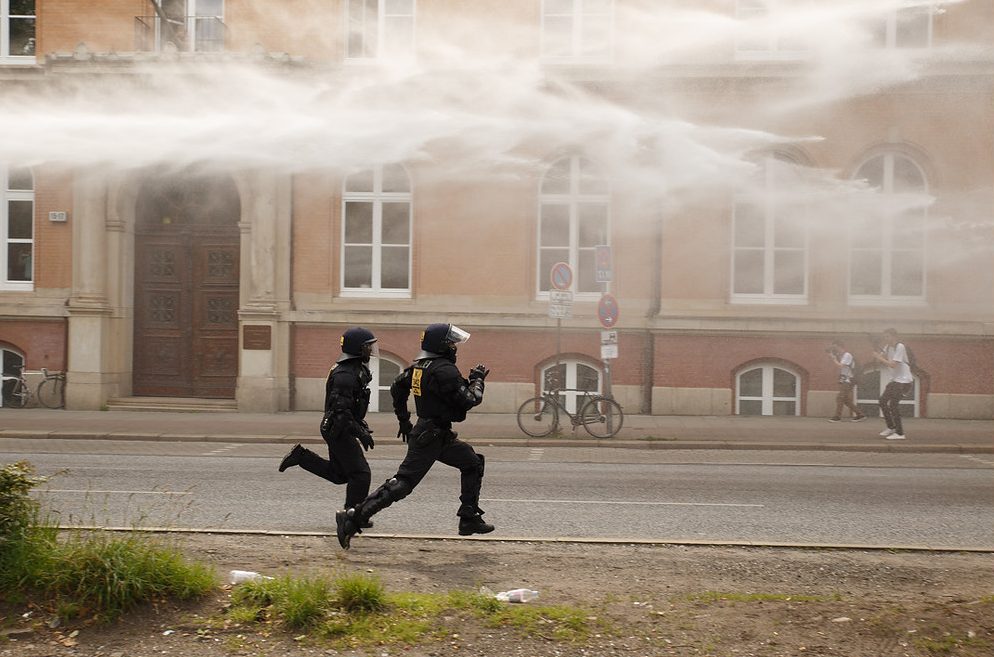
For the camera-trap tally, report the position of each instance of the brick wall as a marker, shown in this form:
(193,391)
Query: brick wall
(43,343)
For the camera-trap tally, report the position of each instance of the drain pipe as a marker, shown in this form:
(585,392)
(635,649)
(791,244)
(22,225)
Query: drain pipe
(649,347)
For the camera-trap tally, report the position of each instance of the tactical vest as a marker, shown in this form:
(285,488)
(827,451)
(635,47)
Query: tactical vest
(426,388)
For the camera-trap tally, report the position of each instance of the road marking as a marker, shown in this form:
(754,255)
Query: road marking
(222,450)
(493,499)
(536,454)
(976,459)
(123,492)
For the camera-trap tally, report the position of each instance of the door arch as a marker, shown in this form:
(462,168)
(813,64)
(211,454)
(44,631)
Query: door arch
(186,286)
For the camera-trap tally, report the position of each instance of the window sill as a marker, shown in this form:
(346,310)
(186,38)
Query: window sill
(764,300)
(374,294)
(890,302)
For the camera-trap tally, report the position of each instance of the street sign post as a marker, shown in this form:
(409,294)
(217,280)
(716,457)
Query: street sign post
(607,311)
(561,276)
(609,345)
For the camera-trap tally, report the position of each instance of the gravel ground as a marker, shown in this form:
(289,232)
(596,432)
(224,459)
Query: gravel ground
(647,600)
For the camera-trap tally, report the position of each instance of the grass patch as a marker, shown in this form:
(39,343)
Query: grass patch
(711,597)
(89,573)
(355,611)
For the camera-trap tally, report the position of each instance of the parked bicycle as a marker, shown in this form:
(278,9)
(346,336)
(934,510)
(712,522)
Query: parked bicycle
(52,389)
(600,415)
(16,392)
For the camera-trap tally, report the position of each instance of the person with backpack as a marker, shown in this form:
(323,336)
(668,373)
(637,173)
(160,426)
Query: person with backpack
(894,355)
(847,382)
(343,425)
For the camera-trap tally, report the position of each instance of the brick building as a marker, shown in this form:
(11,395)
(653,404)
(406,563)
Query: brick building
(767,176)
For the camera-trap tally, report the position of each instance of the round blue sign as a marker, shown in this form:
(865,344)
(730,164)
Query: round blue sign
(562,276)
(607,311)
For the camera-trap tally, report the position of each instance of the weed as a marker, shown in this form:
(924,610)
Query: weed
(88,572)
(359,593)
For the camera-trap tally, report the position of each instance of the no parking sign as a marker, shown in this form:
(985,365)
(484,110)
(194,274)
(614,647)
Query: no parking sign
(607,311)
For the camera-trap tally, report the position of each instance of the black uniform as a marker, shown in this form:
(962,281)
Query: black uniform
(441,396)
(343,427)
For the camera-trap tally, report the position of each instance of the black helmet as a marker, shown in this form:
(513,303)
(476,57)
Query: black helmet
(439,340)
(353,341)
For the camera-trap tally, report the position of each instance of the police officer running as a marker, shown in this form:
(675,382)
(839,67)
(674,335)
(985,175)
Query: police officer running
(441,396)
(343,426)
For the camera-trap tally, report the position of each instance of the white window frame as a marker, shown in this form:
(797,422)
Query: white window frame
(374,386)
(7,195)
(891,24)
(886,249)
(885,377)
(381,31)
(5,18)
(377,198)
(570,394)
(773,49)
(768,208)
(767,398)
(194,24)
(573,200)
(579,18)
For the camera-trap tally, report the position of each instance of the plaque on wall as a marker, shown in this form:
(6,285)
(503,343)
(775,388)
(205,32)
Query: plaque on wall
(257,337)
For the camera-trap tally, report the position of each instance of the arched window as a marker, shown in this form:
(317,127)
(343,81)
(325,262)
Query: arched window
(887,244)
(573,377)
(376,233)
(379,28)
(871,384)
(17,229)
(770,237)
(384,370)
(577,29)
(12,362)
(767,389)
(573,220)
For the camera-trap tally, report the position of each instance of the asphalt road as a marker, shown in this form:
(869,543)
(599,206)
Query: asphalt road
(776,497)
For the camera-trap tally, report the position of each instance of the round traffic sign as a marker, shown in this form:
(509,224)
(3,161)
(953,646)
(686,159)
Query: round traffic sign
(561,276)
(607,311)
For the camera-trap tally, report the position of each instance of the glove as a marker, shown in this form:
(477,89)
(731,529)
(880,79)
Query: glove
(405,429)
(364,435)
(479,372)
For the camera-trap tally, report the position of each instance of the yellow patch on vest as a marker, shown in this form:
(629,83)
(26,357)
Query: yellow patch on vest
(416,381)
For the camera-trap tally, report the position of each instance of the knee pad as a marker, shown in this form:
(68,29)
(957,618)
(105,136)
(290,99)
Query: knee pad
(397,488)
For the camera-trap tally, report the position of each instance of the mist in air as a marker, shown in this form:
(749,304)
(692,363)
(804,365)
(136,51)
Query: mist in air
(486,106)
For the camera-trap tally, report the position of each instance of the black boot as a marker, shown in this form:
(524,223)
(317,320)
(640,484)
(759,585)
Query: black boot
(345,527)
(292,458)
(474,525)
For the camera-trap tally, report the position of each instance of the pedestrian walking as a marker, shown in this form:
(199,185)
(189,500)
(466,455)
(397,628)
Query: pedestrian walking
(846,365)
(441,397)
(894,356)
(343,425)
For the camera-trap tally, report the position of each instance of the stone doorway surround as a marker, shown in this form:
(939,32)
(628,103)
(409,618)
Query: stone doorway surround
(101,302)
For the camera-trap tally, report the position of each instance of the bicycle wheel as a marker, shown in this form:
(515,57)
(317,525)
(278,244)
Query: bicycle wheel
(51,393)
(602,417)
(538,417)
(19,395)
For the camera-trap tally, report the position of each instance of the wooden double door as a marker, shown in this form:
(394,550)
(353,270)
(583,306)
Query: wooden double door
(186,311)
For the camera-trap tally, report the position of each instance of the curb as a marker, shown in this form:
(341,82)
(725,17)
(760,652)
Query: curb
(561,539)
(881,446)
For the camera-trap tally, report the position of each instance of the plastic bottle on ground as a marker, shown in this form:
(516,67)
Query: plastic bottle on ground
(517,595)
(239,576)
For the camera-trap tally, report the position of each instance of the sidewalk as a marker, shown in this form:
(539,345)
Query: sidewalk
(639,431)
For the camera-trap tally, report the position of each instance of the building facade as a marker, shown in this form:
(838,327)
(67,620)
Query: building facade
(747,179)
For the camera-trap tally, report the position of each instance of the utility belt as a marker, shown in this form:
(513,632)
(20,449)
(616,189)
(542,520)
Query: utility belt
(428,429)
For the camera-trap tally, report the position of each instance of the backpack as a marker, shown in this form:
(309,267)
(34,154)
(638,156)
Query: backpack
(916,369)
